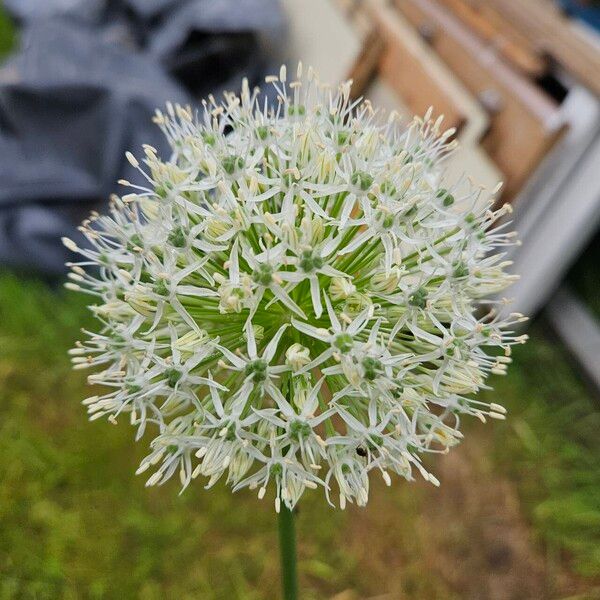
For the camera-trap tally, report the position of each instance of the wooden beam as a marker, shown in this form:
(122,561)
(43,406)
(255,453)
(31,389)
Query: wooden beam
(553,34)
(556,235)
(515,48)
(409,72)
(397,53)
(525,124)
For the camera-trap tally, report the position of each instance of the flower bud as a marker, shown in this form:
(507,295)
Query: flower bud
(356,303)
(216,227)
(386,284)
(259,333)
(233,299)
(297,356)
(340,288)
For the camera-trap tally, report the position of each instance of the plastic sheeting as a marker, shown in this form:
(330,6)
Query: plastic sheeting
(82,88)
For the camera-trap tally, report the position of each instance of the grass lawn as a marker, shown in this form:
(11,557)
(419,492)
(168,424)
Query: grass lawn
(7,33)
(517,514)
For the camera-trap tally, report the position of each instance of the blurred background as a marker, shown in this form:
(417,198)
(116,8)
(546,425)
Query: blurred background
(518,513)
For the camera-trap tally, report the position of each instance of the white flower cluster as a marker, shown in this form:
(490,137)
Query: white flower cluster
(293,300)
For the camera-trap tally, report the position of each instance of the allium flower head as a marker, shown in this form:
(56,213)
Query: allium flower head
(294,300)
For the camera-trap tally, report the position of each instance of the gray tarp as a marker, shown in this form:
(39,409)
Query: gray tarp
(81,90)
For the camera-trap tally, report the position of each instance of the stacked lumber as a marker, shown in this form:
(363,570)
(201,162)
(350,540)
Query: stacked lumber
(478,62)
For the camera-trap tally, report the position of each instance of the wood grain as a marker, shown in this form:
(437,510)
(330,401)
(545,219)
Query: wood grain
(552,33)
(515,48)
(525,124)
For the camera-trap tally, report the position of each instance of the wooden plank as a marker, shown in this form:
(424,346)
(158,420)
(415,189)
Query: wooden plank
(525,123)
(509,43)
(410,69)
(557,235)
(383,83)
(420,78)
(581,111)
(553,33)
(560,204)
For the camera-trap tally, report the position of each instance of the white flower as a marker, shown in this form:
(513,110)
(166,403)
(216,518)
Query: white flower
(258,373)
(292,300)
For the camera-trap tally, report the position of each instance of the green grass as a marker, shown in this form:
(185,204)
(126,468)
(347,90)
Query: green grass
(7,33)
(75,521)
(550,446)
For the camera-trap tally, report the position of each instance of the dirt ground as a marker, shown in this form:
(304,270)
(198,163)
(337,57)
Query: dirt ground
(470,540)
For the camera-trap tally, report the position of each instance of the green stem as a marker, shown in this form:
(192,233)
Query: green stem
(287,547)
